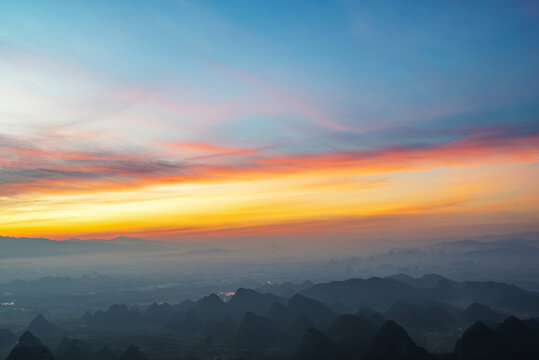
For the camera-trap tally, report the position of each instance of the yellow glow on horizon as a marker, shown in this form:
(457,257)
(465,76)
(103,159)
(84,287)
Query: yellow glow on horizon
(259,202)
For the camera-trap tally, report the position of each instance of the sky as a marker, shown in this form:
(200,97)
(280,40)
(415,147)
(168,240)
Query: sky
(318,121)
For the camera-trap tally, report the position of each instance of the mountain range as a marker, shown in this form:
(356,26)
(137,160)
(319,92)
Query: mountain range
(397,317)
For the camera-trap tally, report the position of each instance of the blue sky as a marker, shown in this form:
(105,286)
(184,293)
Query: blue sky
(273,83)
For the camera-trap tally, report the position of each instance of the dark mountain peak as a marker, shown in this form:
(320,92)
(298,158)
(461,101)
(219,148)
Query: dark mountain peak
(478,342)
(432,277)
(211,299)
(133,353)
(188,322)
(40,322)
(374,292)
(313,310)
(394,331)
(477,307)
(256,331)
(479,312)
(251,300)
(374,316)
(39,317)
(184,305)
(117,315)
(517,340)
(402,277)
(104,354)
(478,328)
(514,328)
(159,312)
(42,327)
(391,341)
(299,299)
(241,291)
(211,306)
(28,339)
(444,284)
(29,347)
(315,345)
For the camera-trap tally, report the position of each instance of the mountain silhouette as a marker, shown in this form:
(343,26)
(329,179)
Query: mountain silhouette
(517,340)
(30,347)
(286,290)
(159,312)
(250,300)
(373,292)
(117,315)
(188,322)
(133,353)
(392,342)
(256,331)
(479,312)
(478,343)
(426,281)
(44,329)
(380,293)
(315,345)
(104,354)
(40,247)
(211,307)
(211,326)
(315,311)
(376,317)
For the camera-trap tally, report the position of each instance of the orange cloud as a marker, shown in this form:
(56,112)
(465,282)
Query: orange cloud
(27,168)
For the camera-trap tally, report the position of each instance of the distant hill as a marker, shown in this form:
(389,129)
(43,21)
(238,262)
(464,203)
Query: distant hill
(30,347)
(381,293)
(256,331)
(250,300)
(392,342)
(513,339)
(44,329)
(13,247)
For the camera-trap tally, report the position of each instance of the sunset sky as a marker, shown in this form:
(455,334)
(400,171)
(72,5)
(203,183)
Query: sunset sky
(320,120)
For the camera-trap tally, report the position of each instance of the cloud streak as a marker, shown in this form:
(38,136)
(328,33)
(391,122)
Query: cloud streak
(25,167)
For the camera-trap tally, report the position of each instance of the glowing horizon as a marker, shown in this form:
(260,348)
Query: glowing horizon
(231,119)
